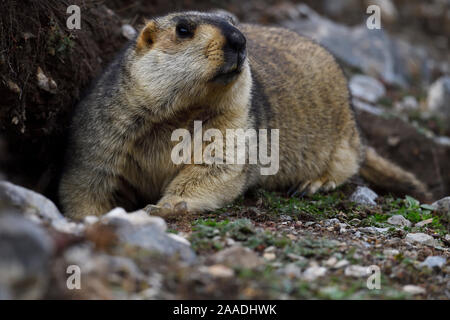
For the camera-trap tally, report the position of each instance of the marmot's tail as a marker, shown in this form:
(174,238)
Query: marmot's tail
(385,174)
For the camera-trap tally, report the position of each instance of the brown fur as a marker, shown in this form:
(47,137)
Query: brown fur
(120,149)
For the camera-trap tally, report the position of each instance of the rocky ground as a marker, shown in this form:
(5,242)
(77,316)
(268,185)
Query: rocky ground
(265,245)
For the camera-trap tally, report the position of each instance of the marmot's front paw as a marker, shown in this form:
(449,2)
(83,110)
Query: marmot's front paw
(167,209)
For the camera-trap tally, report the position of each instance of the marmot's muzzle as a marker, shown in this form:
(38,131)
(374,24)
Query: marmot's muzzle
(235,53)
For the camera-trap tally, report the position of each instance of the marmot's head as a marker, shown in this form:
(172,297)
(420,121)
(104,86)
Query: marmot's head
(186,55)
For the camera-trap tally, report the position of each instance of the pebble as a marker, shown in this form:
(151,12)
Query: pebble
(438,97)
(412,289)
(408,103)
(341,264)
(284,217)
(292,271)
(373,230)
(296,257)
(434,262)
(220,271)
(331,222)
(237,257)
(331,262)
(391,252)
(356,271)
(230,242)
(424,222)
(399,220)
(366,88)
(420,238)
(269,256)
(314,272)
(91,219)
(364,196)
(443,208)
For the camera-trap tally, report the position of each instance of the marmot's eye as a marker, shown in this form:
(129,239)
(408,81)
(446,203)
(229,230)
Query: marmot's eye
(184,30)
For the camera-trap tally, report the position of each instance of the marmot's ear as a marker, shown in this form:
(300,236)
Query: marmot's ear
(147,37)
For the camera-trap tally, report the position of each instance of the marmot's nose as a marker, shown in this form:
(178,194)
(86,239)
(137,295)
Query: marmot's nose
(236,40)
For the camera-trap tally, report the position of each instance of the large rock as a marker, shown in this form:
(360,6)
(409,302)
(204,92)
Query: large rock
(25,253)
(443,208)
(148,232)
(373,51)
(28,202)
(36,207)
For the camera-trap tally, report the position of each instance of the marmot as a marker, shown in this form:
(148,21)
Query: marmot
(206,66)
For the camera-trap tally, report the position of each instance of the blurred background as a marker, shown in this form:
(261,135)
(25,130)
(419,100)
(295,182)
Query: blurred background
(399,74)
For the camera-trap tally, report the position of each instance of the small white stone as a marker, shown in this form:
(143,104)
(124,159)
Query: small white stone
(270,249)
(366,88)
(391,252)
(178,238)
(136,218)
(364,196)
(412,289)
(408,103)
(341,264)
(331,222)
(438,96)
(356,271)
(374,230)
(433,262)
(91,220)
(331,262)
(220,271)
(312,273)
(230,242)
(269,256)
(296,257)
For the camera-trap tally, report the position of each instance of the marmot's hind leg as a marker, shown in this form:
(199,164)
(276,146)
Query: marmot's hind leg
(343,165)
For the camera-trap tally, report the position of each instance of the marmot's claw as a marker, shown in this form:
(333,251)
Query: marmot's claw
(166,210)
(299,190)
